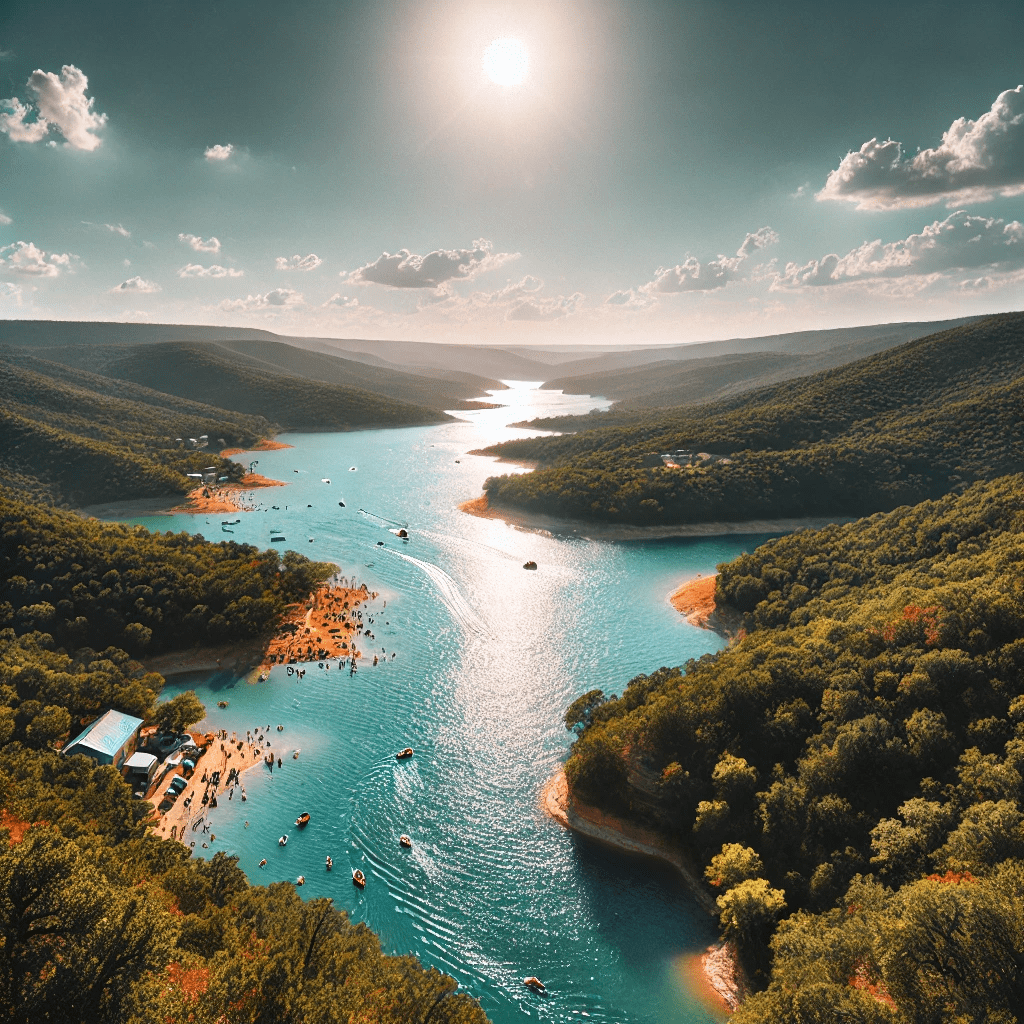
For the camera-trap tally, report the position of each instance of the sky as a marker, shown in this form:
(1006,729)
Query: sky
(627,171)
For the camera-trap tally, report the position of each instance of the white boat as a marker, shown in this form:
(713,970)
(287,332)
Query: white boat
(283,841)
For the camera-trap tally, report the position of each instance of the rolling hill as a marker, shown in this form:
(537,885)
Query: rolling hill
(900,426)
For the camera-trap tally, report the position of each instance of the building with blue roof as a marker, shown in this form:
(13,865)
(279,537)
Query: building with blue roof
(109,740)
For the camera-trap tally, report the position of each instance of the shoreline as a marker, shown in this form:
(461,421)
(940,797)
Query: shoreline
(539,522)
(695,601)
(717,966)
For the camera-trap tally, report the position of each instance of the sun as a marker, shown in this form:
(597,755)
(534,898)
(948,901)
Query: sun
(506,62)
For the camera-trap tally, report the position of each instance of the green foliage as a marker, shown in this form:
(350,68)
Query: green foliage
(909,424)
(207,374)
(179,712)
(580,712)
(101,920)
(86,582)
(869,720)
(71,435)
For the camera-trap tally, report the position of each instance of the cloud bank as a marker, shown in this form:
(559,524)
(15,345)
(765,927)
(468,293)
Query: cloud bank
(976,161)
(407,270)
(297,262)
(960,242)
(693,276)
(60,104)
(29,260)
(210,245)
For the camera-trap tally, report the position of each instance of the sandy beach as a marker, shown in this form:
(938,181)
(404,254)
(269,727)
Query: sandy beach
(226,497)
(263,446)
(538,522)
(329,625)
(188,820)
(717,964)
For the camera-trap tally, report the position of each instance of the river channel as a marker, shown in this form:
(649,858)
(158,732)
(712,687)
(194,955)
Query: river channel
(487,657)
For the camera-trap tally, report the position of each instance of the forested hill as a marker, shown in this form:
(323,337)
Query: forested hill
(100,919)
(224,379)
(852,767)
(897,427)
(69,436)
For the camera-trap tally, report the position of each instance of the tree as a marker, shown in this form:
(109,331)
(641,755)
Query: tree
(179,712)
(580,712)
(50,724)
(736,863)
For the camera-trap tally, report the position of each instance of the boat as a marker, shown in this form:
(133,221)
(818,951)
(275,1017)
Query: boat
(358,878)
(277,539)
(283,841)
(530,565)
(295,756)
(535,983)
(301,880)
(222,703)
(230,522)
(403,755)
(404,840)
(401,532)
(329,863)
(303,819)
(341,504)
(325,480)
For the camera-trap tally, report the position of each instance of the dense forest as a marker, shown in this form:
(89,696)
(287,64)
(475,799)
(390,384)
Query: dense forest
(902,426)
(71,436)
(851,771)
(230,380)
(101,920)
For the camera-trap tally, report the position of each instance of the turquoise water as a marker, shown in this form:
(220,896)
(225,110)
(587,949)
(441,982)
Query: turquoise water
(487,658)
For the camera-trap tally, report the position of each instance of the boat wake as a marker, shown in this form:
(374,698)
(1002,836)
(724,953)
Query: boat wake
(462,611)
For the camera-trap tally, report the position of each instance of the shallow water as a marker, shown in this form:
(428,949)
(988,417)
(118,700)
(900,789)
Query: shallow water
(487,658)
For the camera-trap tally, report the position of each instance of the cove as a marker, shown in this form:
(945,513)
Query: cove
(488,656)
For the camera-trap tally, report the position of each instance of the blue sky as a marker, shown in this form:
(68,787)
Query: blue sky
(663,172)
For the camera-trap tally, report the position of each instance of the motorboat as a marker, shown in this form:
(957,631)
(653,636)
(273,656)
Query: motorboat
(358,878)
(329,863)
(341,504)
(302,820)
(283,841)
(403,755)
(530,565)
(277,539)
(222,703)
(404,840)
(535,983)
(301,880)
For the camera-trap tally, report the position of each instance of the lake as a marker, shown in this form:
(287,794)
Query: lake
(487,657)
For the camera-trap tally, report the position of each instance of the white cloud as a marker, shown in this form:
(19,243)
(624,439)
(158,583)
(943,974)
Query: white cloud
(61,104)
(759,239)
(4,219)
(342,301)
(630,298)
(297,262)
(29,260)
(407,270)
(218,152)
(137,285)
(276,299)
(542,309)
(211,244)
(11,291)
(693,276)
(116,229)
(12,122)
(976,161)
(197,270)
(960,242)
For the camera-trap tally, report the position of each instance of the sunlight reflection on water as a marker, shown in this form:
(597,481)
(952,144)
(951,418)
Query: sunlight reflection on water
(488,657)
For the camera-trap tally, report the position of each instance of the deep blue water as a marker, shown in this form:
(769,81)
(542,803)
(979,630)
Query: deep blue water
(487,658)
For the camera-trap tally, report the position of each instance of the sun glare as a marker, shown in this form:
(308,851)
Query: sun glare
(506,62)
